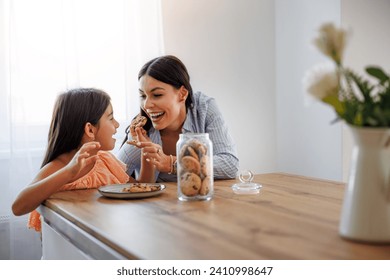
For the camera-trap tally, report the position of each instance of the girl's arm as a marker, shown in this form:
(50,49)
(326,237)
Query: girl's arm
(51,178)
(48,181)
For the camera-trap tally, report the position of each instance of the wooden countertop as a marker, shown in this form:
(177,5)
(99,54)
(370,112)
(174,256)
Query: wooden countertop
(293,217)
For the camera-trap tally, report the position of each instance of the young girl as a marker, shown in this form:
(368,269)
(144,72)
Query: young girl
(77,157)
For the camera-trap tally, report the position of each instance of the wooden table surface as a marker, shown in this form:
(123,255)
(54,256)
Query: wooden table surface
(293,217)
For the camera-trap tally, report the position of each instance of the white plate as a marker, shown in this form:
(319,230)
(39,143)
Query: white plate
(115,191)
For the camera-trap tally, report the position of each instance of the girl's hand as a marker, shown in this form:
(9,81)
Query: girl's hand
(85,156)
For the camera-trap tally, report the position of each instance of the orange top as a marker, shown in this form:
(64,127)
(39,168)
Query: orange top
(107,170)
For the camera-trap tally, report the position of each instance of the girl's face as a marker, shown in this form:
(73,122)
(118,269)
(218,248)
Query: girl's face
(106,128)
(164,104)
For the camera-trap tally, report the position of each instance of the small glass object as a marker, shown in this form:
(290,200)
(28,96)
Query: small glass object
(246,186)
(195,179)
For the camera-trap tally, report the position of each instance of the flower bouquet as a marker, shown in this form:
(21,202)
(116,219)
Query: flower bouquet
(357,100)
(364,104)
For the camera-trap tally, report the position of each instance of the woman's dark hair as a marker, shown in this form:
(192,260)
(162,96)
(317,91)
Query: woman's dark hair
(170,70)
(72,110)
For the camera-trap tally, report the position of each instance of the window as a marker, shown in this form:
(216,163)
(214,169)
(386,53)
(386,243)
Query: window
(49,46)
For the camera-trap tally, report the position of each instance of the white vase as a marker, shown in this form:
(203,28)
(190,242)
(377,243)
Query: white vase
(366,207)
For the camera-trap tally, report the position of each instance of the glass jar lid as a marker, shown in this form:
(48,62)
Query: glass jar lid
(246,186)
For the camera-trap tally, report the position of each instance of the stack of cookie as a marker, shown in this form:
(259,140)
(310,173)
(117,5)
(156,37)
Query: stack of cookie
(195,169)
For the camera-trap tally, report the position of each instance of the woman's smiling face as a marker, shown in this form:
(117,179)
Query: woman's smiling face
(164,104)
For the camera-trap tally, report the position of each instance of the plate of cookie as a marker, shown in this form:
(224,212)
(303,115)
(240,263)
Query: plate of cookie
(131,190)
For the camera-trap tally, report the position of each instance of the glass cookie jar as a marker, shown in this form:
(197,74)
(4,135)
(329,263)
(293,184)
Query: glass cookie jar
(195,179)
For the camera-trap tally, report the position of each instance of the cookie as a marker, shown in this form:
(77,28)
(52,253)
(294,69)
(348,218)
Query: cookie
(193,153)
(139,121)
(139,187)
(193,148)
(190,164)
(205,166)
(190,184)
(199,147)
(205,186)
(184,151)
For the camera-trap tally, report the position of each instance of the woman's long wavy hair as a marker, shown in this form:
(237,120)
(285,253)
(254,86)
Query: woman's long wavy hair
(72,110)
(170,70)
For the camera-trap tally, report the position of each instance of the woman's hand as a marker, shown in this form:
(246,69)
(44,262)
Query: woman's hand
(85,156)
(139,136)
(153,153)
(137,123)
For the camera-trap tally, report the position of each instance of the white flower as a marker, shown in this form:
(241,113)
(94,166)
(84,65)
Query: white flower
(355,99)
(331,42)
(322,81)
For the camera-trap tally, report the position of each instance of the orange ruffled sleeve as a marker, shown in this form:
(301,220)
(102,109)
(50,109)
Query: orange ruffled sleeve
(34,221)
(107,170)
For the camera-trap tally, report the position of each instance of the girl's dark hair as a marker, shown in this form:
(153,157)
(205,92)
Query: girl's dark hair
(170,70)
(72,110)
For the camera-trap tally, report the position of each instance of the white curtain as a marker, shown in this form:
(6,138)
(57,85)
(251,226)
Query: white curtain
(47,47)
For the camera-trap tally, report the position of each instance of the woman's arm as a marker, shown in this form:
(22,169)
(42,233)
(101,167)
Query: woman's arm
(148,169)
(225,160)
(132,155)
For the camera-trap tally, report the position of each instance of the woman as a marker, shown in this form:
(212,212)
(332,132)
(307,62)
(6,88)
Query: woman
(171,108)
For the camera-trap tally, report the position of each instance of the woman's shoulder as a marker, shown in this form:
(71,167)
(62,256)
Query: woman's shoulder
(203,102)
(201,98)
(203,111)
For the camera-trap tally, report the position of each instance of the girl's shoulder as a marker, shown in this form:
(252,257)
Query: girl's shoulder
(110,159)
(50,168)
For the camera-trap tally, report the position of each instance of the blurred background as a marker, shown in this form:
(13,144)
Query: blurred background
(250,55)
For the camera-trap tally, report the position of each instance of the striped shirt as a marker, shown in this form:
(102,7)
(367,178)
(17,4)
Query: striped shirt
(203,117)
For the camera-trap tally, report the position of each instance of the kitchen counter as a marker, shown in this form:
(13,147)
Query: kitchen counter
(293,217)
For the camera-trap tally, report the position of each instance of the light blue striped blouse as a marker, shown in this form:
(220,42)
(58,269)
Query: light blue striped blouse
(203,117)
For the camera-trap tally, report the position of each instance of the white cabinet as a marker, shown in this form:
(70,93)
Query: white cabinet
(63,239)
(57,247)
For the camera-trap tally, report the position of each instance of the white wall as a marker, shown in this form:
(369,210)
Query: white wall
(235,53)
(307,144)
(251,55)
(369,44)
(228,48)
